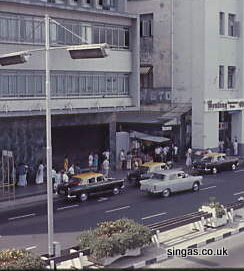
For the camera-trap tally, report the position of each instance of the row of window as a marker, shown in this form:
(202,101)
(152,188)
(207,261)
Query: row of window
(30,29)
(32,84)
(233,25)
(231,79)
(106,4)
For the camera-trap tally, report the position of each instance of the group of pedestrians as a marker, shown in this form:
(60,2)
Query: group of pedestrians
(166,153)
(228,147)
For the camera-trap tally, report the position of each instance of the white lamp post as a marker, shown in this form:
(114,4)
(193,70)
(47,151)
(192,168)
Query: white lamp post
(76,52)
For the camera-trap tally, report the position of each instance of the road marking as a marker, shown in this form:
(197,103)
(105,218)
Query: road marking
(68,207)
(238,193)
(240,170)
(147,217)
(206,188)
(29,248)
(102,199)
(22,216)
(114,210)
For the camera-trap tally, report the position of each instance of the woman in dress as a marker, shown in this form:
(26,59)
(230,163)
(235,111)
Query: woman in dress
(39,175)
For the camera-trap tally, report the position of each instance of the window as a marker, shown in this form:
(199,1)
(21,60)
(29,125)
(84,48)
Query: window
(233,26)
(92,180)
(231,76)
(146,28)
(221,23)
(221,77)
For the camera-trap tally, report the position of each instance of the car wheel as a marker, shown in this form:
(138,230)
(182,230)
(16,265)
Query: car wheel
(214,170)
(116,191)
(233,167)
(195,187)
(166,193)
(83,196)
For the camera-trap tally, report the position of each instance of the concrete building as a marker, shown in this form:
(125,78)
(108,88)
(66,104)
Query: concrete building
(208,69)
(86,94)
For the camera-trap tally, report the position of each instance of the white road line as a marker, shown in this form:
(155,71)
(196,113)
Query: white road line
(206,188)
(114,210)
(29,248)
(22,216)
(238,193)
(68,207)
(147,217)
(102,199)
(240,170)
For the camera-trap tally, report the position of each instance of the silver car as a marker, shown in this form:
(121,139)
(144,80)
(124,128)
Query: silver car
(169,181)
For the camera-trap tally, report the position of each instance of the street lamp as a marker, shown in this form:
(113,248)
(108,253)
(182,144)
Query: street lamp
(83,51)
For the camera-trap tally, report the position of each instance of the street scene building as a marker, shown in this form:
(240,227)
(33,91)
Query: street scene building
(84,93)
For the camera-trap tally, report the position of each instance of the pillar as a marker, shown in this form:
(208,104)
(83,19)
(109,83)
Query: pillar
(237,130)
(112,141)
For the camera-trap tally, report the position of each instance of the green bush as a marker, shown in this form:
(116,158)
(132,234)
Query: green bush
(114,238)
(19,259)
(219,208)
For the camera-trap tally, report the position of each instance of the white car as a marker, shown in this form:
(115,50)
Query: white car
(166,182)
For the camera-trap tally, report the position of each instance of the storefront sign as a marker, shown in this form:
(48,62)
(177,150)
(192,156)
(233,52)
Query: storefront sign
(166,128)
(223,105)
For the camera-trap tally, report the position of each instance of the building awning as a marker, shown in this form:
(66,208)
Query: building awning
(146,137)
(145,69)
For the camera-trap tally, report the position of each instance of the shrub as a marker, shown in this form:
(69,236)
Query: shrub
(219,208)
(19,259)
(112,238)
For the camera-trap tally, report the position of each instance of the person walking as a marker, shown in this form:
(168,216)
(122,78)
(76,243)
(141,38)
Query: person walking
(39,175)
(106,167)
(90,160)
(71,170)
(129,159)
(66,163)
(188,159)
(95,161)
(122,159)
(235,147)
(175,153)
(22,172)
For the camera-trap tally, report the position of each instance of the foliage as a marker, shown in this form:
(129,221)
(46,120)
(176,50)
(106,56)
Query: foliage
(19,259)
(112,238)
(219,208)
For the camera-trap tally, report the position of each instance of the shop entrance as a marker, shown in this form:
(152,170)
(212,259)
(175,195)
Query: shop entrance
(225,128)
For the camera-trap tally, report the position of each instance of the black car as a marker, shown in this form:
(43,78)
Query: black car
(215,162)
(145,170)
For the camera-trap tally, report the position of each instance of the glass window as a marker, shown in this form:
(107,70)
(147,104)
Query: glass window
(231,76)
(221,77)
(231,25)
(221,23)
(109,36)
(96,38)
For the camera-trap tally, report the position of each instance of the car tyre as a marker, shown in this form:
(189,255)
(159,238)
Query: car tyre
(83,197)
(214,170)
(233,167)
(195,187)
(166,193)
(116,191)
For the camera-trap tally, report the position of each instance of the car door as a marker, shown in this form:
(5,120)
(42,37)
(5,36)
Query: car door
(183,182)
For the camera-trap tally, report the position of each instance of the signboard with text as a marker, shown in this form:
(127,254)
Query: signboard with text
(214,105)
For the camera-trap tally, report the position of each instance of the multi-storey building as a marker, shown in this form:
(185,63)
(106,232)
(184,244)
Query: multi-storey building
(208,68)
(86,93)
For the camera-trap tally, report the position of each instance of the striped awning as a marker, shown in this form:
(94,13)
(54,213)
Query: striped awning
(145,69)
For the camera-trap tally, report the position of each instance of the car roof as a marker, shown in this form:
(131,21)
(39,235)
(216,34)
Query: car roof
(213,154)
(151,164)
(170,171)
(87,175)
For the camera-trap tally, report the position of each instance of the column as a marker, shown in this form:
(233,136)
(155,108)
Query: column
(237,130)
(112,141)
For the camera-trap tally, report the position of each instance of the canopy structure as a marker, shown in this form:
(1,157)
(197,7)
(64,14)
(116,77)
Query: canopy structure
(146,137)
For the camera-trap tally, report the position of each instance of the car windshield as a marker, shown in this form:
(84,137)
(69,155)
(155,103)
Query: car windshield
(158,176)
(142,170)
(207,159)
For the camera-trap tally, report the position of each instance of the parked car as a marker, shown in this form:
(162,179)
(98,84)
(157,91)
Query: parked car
(215,162)
(145,171)
(83,185)
(166,182)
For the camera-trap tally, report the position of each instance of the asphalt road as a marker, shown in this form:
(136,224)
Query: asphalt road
(232,246)
(27,227)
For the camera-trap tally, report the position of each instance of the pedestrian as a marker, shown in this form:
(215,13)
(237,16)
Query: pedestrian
(106,167)
(65,177)
(22,172)
(122,159)
(175,153)
(71,170)
(235,147)
(188,159)
(39,174)
(66,163)
(129,159)
(95,161)
(54,173)
(77,169)
(221,146)
(90,160)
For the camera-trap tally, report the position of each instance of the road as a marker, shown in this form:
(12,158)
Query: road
(28,227)
(232,245)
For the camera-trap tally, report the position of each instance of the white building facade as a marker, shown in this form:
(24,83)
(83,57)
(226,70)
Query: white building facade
(208,68)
